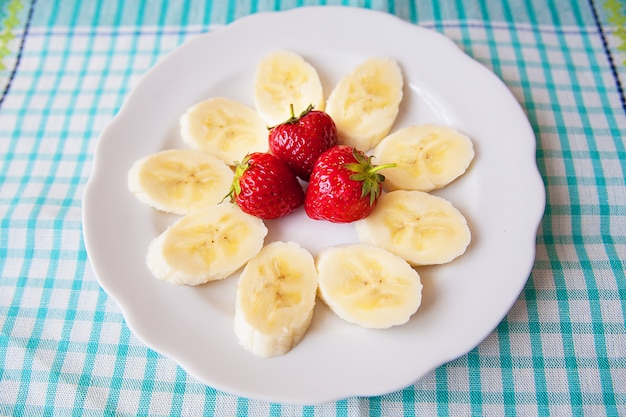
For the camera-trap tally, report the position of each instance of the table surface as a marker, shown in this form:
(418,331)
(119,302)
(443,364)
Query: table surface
(66,68)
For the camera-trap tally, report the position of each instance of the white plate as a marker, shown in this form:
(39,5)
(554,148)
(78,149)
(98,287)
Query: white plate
(502,196)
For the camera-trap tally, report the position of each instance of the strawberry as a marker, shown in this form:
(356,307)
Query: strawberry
(344,185)
(300,140)
(265,187)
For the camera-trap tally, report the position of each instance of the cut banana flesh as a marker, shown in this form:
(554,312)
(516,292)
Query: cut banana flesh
(179,180)
(283,79)
(224,128)
(275,299)
(422,228)
(206,245)
(365,103)
(368,286)
(427,157)
(372,284)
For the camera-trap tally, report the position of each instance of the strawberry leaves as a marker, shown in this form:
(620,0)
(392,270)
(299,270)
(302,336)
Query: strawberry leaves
(367,173)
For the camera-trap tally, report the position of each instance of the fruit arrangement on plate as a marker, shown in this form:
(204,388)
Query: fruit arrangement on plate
(337,160)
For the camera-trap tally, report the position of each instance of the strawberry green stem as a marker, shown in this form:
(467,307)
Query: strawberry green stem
(384,166)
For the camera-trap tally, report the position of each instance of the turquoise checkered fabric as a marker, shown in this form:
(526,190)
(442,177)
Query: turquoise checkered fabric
(65,69)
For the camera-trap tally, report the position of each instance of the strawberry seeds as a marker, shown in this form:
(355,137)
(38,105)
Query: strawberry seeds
(344,185)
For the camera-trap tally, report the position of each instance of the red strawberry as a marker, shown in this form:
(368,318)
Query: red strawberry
(302,139)
(344,186)
(265,187)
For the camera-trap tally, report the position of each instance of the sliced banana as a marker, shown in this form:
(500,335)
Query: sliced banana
(275,299)
(365,103)
(422,228)
(283,79)
(179,180)
(224,128)
(368,286)
(427,157)
(206,245)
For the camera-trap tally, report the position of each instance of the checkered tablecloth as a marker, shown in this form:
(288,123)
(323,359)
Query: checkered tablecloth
(65,69)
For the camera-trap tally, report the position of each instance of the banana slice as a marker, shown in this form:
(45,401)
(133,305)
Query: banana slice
(206,245)
(365,103)
(422,228)
(283,79)
(179,180)
(224,128)
(368,286)
(427,157)
(275,299)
